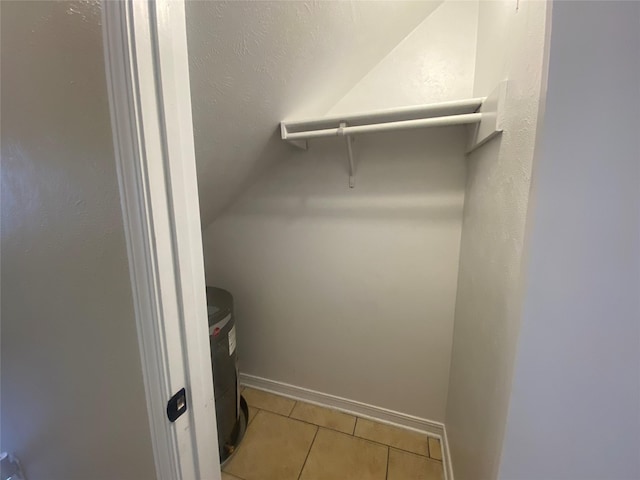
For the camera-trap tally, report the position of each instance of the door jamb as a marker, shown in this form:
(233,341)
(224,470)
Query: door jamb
(146,59)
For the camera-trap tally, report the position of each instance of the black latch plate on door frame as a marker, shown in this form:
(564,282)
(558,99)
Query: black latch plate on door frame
(177,405)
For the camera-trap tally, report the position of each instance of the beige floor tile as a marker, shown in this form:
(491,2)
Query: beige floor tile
(435,451)
(394,436)
(274,448)
(337,456)
(324,417)
(226,476)
(268,401)
(408,466)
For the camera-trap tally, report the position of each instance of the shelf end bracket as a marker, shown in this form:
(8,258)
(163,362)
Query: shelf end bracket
(492,123)
(284,133)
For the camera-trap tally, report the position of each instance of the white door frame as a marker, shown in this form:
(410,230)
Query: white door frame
(148,79)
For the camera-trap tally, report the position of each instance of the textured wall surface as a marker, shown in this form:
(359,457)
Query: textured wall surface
(577,374)
(350,291)
(434,63)
(253,64)
(487,315)
(73,401)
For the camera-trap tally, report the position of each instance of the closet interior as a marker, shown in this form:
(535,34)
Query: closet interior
(363,172)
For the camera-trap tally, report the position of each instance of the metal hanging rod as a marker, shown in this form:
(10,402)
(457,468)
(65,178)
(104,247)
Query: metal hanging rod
(485,113)
(448,120)
(413,112)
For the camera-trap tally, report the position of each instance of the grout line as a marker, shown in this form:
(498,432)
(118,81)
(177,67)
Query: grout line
(353,434)
(234,476)
(251,419)
(304,421)
(309,451)
(351,413)
(273,395)
(428,449)
(354,430)
(388,455)
(350,407)
(441,460)
(373,442)
(286,415)
(393,446)
(396,448)
(411,453)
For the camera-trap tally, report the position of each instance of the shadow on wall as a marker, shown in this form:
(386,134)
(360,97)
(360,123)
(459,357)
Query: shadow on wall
(254,63)
(318,268)
(411,175)
(274,149)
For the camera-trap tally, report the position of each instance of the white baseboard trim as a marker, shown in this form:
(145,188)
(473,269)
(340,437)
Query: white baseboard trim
(446,455)
(423,425)
(430,427)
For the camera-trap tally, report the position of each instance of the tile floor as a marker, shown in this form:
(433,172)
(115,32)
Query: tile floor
(289,440)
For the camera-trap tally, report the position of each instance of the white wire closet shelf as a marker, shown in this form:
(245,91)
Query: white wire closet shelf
(483,113)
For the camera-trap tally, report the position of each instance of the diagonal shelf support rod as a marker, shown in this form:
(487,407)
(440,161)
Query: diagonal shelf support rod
(352,171)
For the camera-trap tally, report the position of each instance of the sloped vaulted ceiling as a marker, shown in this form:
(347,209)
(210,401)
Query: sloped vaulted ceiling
(255,63)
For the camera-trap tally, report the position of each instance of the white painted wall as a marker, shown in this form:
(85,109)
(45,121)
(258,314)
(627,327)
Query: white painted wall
(576,391)
(510,45)
(73,401)
(434,63)
(350,292)
(252,64)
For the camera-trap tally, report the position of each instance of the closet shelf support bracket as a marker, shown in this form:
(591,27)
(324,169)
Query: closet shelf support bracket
(352,171)
(492,118)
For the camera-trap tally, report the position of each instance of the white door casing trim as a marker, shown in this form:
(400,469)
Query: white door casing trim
(148,80)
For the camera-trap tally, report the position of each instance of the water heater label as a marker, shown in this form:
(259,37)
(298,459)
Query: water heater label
(232,340)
